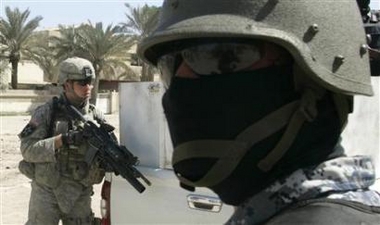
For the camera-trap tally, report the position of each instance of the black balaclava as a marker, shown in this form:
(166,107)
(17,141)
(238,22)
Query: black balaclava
(220,107)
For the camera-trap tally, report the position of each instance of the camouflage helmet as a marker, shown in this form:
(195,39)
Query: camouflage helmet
(75,69)
(326,38)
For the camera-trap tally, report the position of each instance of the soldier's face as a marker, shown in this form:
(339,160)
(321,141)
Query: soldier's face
(79,90)
(83,88)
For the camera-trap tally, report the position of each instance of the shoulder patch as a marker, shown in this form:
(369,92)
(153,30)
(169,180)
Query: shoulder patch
(28,129)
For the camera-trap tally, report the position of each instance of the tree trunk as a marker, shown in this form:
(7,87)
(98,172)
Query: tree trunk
(94,92)
(146,75)
(14,80)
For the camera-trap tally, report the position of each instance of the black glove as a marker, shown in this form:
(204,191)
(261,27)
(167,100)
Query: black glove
(72,137)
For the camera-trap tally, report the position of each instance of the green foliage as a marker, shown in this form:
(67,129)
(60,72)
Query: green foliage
(66,43)
(106,49)
(15,30)
(141,21)
(42,54)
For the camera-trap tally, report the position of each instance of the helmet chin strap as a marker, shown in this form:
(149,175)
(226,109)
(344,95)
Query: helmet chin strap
(230,152)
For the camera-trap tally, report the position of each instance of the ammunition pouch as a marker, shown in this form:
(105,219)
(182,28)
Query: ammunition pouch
(95,176)
(75,170)
(97,221)
(47,174)
(89,220)
(43,173)
(73,166)
(27,169)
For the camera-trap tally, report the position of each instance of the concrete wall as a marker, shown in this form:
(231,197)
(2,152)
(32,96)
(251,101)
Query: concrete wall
(108,102)
(143,126)
(26,101)
(362,134)
(28,73)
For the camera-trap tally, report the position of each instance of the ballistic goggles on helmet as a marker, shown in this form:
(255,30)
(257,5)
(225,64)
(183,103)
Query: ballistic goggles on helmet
(84,82)
(210,58)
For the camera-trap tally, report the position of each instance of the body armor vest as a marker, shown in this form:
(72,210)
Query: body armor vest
(71,159)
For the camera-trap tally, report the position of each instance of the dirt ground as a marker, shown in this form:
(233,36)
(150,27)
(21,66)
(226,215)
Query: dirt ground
(15,187)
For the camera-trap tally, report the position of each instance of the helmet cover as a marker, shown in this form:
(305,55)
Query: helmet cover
(75,69)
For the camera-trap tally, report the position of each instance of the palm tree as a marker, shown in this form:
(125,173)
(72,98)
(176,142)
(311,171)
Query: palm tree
(65,44)
(3,75)
(104,48)
(15,30)
(141,21)
(42,53)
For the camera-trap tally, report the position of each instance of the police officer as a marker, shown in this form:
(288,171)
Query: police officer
(258,93)
(54,150)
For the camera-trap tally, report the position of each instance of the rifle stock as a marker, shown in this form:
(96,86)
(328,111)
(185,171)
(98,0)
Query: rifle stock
(112,155)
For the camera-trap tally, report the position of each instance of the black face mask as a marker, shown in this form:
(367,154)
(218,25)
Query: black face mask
(220,107)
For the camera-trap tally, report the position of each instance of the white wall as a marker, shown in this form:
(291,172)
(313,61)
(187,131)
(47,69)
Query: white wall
(25,101)
(28,73)
(143,126)
(361,135)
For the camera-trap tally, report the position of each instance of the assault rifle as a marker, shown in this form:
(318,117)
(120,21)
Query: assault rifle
(111,155)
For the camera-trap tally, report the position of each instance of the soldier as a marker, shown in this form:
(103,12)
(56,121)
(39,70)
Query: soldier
(54,150)
(258,93)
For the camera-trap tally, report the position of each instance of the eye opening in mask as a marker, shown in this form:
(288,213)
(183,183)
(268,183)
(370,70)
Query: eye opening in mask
(209,56)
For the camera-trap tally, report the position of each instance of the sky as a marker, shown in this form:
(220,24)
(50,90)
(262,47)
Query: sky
(75,12)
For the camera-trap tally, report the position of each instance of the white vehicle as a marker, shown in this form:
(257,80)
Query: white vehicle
(143,130)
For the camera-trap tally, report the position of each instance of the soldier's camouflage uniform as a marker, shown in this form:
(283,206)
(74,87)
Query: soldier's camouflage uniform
(341,181)
(61,179)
